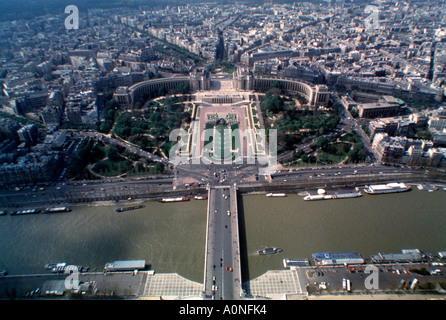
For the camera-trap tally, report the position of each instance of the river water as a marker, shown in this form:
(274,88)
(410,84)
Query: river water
(171,236)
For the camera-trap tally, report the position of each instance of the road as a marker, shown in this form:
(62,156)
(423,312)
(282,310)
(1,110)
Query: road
(222,268)
(349,171)
(215,175)
(69,192)
(244,175)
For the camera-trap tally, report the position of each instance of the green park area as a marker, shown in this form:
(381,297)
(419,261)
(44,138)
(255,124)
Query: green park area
(149,126)
(94,159)
(335,148)
(309,135)
(295,126)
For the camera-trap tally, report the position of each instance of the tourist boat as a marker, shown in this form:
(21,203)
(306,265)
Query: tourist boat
(387,188)
(57,210)
(129,208)
(174,199)
(333,196)
(337,258)
(22,212)
(52,266)
(290,263)
(269,250)
(63,267)
(276,195)
(317,197)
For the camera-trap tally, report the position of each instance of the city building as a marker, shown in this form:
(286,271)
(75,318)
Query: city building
(378,109)
(402,150)
(31,169)
(28,134)
(317,95)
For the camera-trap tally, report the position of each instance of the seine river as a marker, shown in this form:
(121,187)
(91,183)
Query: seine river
(171,237)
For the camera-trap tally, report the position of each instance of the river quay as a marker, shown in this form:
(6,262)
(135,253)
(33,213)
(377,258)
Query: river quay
(170,236)
(301,283)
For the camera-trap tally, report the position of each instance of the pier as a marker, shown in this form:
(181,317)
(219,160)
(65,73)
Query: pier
(222,274)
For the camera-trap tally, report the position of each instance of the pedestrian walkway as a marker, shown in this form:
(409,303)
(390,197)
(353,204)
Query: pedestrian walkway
(171,285)
(274,283)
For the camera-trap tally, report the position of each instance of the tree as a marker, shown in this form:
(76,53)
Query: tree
(358,153)
(322,143)
(276,84)
(112,153)
(289,140)
(139,166)
(273,103)
(156,117)
(184,88)
(159,167)
(106,126)
(136,131)
(162,91)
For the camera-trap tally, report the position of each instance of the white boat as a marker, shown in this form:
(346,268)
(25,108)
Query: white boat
(57,210)
(290,263)
(332,196)
(269,250)
(28,211)
(316,197)
(276,195)
(179,199)
(347,195)
(50,266)
(426,186)
(387,188)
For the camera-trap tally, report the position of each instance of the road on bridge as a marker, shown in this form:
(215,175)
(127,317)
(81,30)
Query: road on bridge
(222,268)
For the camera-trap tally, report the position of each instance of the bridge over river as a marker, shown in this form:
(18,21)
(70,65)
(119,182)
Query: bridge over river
(222,274)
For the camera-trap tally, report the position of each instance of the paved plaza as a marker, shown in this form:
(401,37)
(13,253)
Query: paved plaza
(223,102)
(171,285)
(273,283)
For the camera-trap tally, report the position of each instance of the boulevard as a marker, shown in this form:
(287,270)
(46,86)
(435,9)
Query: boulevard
(192,179)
